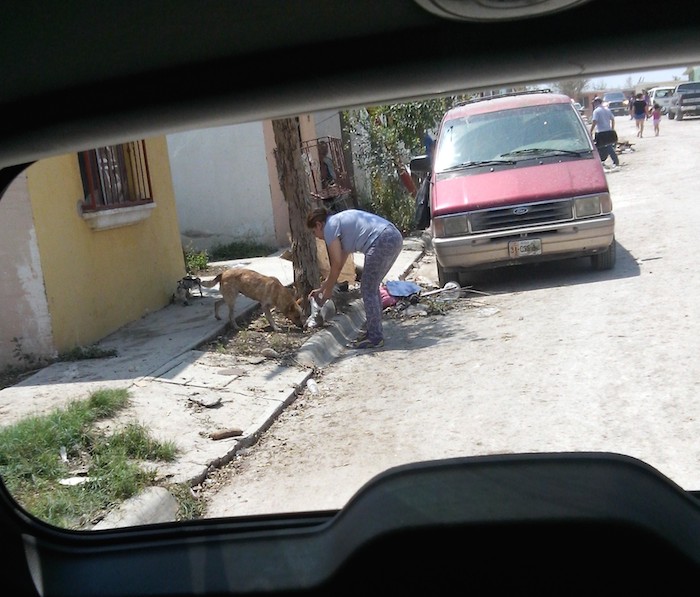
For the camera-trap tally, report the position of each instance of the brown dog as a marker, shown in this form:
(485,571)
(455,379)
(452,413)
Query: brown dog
(267,290)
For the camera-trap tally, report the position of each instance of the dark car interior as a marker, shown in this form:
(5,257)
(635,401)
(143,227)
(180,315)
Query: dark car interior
(78,75)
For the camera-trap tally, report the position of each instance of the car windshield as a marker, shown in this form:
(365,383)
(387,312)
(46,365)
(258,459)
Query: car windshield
(269,417)
(510,133)
(614,97)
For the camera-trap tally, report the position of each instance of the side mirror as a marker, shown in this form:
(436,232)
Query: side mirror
(420,165)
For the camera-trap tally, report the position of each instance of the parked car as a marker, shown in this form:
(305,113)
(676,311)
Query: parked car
(617,102)
(516,179)
(79,75)
(685,101)
(661,96)
(581,110)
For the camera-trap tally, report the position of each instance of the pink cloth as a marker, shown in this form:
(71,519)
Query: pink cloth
(387,299)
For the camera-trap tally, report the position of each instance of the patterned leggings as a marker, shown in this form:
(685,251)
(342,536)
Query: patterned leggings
(378,260)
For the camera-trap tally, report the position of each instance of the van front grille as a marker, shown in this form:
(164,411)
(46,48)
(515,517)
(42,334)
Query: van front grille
(519,216)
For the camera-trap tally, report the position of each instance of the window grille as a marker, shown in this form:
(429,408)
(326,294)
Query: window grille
(115,176)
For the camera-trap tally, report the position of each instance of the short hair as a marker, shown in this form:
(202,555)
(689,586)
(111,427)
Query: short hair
(320,214)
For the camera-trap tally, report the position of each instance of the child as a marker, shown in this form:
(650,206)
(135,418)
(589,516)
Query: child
(656,118)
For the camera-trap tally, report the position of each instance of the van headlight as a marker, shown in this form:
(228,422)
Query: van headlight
(450,225)
(585,207)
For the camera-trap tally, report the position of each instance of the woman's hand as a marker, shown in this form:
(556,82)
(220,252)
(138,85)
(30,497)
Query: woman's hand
(317,295)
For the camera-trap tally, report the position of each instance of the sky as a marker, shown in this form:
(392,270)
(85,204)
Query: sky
(653,76)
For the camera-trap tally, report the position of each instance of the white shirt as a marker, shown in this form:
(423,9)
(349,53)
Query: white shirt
(603,119)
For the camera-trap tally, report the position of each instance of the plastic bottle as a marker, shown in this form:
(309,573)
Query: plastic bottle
(312,320)
(312,386)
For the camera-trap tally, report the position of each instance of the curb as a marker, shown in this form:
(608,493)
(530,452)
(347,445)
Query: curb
(157,505)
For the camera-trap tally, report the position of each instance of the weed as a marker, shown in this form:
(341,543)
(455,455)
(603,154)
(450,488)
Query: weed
(13,374)
(391,201)
(195,261)
(65,471)
(81,353)
(18,352)
(240,250)
(189,507)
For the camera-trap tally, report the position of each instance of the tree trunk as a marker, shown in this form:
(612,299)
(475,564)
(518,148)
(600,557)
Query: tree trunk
(295,189)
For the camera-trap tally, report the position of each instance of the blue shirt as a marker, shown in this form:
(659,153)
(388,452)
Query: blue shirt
(356,229)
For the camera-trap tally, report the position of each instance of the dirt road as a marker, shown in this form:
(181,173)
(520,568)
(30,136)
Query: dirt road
(556,357)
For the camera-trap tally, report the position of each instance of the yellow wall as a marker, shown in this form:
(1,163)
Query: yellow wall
(98,281)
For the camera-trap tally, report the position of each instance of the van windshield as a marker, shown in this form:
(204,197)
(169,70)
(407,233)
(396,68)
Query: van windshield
(493,135)
(663,93)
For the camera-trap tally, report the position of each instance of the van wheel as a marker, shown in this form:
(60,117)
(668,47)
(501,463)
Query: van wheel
(445,277)
(606,259)
(671,115)
(679,116)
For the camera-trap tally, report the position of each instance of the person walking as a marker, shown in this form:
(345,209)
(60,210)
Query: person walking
(605,137)
(640,110)
(357,231)
(656,119)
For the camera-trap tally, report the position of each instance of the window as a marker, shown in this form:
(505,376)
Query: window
(115,176)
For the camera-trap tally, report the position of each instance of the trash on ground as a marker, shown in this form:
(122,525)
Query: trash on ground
(226,433)
(206,400)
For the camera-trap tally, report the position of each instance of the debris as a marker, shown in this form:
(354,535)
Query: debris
(270,353)
(328,310)
(462,288)
(207,401)
(226,433)
(70,481)
(252,360)
(314,320)
(416,311)
(451,291)
(320,314)
(399,288)
(311,385)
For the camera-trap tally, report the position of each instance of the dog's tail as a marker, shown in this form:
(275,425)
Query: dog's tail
(211,283)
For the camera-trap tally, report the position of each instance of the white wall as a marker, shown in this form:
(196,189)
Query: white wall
(221,183)
(25,314)
(327,124)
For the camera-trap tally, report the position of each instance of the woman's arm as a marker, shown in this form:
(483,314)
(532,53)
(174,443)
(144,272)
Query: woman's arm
(337,258)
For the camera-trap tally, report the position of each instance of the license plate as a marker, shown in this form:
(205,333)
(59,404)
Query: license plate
(525,248)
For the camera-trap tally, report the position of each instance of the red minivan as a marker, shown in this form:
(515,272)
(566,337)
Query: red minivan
(516,179)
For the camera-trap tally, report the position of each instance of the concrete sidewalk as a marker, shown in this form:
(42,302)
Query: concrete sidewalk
(183,394)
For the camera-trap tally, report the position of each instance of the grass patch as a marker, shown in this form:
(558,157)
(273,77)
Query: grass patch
(39,452)
(195,261)
(240,250)
(82,353)
(198,261)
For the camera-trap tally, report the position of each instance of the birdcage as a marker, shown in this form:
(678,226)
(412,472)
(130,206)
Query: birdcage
(329,181)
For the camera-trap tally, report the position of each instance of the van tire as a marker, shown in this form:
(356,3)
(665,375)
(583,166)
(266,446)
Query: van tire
(679,116)
(606,259)
(445,277)
(671,115)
